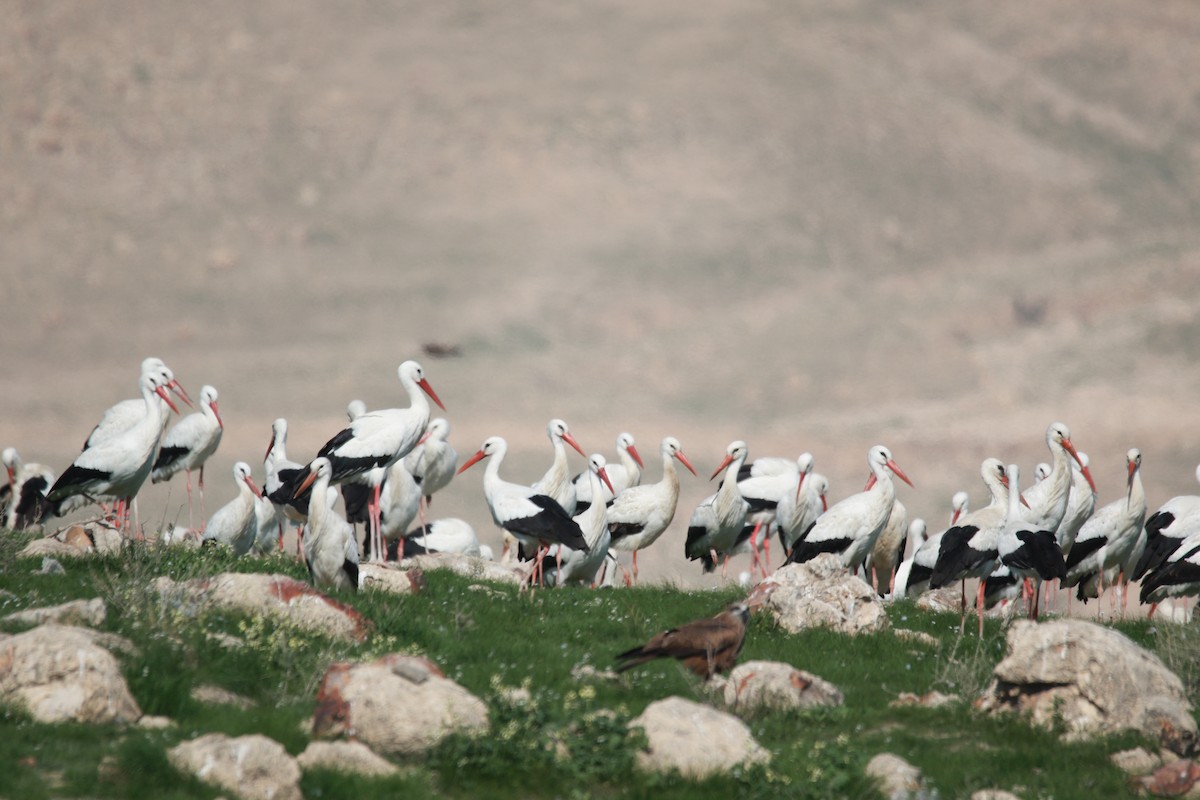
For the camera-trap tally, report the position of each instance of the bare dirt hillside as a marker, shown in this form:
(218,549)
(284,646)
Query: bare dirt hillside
(811,226)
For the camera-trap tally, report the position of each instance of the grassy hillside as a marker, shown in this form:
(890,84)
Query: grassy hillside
(489,640)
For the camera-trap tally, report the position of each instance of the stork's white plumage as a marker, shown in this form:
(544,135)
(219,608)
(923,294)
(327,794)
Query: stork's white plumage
(765,484)
(124,415)
(1107,539)
(378,439)
(28,485)
(235,524)
(433,461)
(329,547)
(189,444)
(1166,529)
(556,483)
(640,514)
(581,566)
(850,527)
(1029,554)
(800,504)
(718,520)
(118,466)
(917,534)
(1048,499)
(283,478)
(399,504)
(888,551)
(448,535)
(536,520)
(1080,506)
(621,476)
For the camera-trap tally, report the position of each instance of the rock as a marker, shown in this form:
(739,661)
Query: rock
(77,612)
(931,699)
(280,598)
(215,695)
(1137,761)
(397,704)
(353,757)
(897,779)
(822,593)
(948,598)
(252,767)
(920,637)
(390,578)
(1094,679)
(696,740)
(60,673)
(470,566)
(75,541)
(993,794)
(154,723)
(764,685)
(1177,779)
(52,566)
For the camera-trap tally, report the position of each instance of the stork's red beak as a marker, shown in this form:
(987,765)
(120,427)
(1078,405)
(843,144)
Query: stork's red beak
(1070,448)
(307,482)
(728,460)
(177,387)
(683,460)
(217,414)
(425,387)
(604,477)
(253,486)
(895,468)
(162,392)
(800,485)
(633,453)
(569,439)
(479,456)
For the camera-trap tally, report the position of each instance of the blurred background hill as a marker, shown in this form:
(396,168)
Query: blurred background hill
(811,226)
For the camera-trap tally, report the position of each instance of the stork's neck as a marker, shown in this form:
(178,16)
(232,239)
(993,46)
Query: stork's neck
(592,520)
(632,470)
(1136,504)
(317,504)
(670,476)
(1014,497)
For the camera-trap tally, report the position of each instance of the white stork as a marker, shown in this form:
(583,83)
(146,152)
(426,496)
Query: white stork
(28,485)
(118,466)
(851,526)
(1106,541)
(433,461)
(448,535)
(621,476)
(1166,529)
(378,439)
(127,413)
(189,444)
(640,514)
(719,519)
(329,548)
(556,483)
(536,520)
(1028,554)
(235,524)
(581,566)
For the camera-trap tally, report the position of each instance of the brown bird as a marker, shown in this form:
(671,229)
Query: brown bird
(705,646)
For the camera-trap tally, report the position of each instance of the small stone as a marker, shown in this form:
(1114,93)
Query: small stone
(932,699)
(215,695)
(353,757)
(155,723)
(694,739)
(77,612)
(52,566)
(1137,761)
(897,779)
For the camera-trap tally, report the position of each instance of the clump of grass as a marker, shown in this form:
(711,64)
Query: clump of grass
(1179,648)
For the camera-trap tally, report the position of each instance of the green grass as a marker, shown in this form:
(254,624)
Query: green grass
(568,738)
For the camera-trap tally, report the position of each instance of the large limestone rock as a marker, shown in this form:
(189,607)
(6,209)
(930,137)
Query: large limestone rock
(61,673)
(897,779)
(352,757)
(77,540)
(398,704)
(696,740)
(278,597)
(390,578)
(1093,678)
(76,612)
(252,767)
(766,685)
(821,593)
(470,566)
